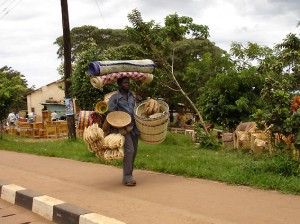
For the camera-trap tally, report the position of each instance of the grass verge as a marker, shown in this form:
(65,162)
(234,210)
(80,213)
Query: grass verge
(179,156)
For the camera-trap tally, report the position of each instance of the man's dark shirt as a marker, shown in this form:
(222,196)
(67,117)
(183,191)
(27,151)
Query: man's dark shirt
(118,102)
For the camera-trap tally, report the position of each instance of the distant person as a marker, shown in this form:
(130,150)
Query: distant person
(54,116)
(31,117)
(44,108)
(171,117)
(17,117)
(63,118)
(189,121)
(11,119)
(181,120)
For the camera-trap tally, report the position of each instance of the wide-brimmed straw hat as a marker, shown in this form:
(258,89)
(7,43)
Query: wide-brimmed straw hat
(118,119)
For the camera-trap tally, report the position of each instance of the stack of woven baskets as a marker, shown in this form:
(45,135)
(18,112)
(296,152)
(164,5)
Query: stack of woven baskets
(110,147)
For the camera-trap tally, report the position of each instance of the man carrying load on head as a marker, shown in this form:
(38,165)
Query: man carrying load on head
(124,101)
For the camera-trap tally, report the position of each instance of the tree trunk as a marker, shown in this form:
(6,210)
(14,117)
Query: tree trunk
(67,63)
(1,131)
(71,127)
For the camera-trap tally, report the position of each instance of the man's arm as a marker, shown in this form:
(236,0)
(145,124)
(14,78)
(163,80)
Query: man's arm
(112,103)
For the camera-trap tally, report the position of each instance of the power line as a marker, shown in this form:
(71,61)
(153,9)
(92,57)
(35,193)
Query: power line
(10,8)
(4,2)
(98,5)
(9,4)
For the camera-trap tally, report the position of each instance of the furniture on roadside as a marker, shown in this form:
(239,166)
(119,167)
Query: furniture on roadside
(24,129)
(11,130)
(242,134)
(62,128)
(227,139)
(38,130)
(46,116)
(51,131)
(177,130)
(191,133)
(257,142)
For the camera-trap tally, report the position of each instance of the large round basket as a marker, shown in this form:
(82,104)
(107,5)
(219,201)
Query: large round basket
(152,130)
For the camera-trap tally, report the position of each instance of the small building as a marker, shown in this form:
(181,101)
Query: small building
(50,97)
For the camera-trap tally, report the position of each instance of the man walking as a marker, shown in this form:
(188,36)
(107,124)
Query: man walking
(124,101)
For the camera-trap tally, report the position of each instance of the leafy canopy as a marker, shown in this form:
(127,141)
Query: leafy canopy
(12,88)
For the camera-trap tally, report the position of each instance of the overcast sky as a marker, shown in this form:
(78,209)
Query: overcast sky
(28,28)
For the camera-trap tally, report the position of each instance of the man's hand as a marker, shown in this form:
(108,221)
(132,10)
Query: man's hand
(138,98)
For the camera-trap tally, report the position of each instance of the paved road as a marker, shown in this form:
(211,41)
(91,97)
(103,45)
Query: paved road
(13,214)
(157,198)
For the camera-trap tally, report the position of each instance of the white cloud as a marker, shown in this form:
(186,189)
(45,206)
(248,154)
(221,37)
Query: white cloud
(29,29)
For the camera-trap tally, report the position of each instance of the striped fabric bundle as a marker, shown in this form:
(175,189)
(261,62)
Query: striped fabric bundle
(85,119)
(100,81)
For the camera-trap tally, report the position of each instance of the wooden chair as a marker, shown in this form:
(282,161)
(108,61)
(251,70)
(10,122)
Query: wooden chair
(227,139)
(191,133)
(51,131)
(38,130)
(62,128)
(11,131)
(242,134)
(24,129)
(177,130)
(258,141)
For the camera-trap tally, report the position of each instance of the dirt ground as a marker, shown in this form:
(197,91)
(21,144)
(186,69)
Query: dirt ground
(157,198)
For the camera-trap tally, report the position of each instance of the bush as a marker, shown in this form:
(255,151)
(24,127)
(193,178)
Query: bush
(209,141)
(284,165)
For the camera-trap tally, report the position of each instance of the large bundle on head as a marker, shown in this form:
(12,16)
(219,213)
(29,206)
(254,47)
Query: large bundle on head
(106,72)
(152,118)
(110,147)
(99,68)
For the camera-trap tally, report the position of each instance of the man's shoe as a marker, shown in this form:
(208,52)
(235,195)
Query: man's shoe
(130,183)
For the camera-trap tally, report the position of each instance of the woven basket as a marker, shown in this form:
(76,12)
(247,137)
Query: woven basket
(152,130)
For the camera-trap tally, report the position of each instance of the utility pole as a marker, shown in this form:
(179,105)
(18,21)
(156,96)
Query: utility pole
(67,64)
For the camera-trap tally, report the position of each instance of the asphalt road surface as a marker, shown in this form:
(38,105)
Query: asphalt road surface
(157,198)
(14,214)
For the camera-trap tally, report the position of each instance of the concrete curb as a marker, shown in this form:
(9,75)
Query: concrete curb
(50,208)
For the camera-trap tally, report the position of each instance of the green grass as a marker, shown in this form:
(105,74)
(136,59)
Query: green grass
(179,156)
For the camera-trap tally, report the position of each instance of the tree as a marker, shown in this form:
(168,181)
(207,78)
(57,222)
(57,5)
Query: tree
(234,94)
(21,104)
(103,38)
(11,91)
(162,43)
(280,87)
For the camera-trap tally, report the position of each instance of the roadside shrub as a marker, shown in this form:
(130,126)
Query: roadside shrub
(284,165)
(209,141)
